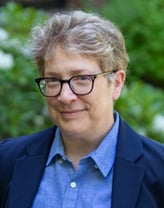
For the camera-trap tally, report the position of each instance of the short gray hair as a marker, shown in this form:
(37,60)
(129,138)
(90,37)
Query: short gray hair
(80,33)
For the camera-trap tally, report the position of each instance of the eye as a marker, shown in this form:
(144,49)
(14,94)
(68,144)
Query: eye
(52,82)
(81,81)
(83,78)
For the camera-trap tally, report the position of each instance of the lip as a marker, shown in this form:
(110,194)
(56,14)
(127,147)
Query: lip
(71,113)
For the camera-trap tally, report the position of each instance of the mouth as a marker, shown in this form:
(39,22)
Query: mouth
(71,113)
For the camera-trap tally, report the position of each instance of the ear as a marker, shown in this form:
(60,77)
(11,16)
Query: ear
(119,80)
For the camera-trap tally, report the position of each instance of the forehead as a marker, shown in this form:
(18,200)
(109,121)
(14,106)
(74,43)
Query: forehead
(61,62)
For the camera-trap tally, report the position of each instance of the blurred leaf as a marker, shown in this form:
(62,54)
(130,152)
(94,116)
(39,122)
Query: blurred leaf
(21,103)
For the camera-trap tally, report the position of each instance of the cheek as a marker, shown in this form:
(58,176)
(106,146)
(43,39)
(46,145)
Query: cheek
(102,102)
(51,104)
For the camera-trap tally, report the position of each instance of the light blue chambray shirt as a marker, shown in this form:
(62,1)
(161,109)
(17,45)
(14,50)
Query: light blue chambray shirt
(90,186)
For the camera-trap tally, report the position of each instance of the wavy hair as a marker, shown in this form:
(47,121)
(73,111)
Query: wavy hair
(80,33)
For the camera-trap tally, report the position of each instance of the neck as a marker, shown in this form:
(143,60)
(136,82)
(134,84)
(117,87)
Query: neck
(76,150)
(76,147)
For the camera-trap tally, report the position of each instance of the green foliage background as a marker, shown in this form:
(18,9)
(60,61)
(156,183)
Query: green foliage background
(22,107)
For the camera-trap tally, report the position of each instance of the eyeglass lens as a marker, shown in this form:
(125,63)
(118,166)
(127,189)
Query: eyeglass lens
(79,85)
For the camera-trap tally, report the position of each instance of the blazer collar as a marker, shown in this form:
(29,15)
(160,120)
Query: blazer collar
(128,174)
(26,177)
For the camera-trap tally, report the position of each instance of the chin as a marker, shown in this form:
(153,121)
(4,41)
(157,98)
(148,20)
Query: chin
(73,131)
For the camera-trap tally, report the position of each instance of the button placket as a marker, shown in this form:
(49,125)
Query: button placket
(71,194)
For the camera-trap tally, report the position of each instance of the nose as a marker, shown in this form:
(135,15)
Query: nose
(66,95)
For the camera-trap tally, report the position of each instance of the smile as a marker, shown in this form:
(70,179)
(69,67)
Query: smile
(71,113)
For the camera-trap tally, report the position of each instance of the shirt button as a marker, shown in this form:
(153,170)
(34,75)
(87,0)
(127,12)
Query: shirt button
(73,184)
(63,158)
(95,166)
(60,161)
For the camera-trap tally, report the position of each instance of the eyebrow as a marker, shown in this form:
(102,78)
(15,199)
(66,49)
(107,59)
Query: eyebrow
(71,72)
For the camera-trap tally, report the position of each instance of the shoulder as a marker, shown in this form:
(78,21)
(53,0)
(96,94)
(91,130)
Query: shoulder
(140,149)
(153,158)
(148,144)
(14,147)
(143,153)
(152,161)
(23,140)
(152,147)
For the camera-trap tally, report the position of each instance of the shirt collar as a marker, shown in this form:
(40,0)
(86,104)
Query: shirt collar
(57,147)
(103,156)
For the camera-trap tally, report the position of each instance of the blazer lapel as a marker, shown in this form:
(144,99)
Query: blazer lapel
(127,181)
(128,174)
(25,181)
(28,172)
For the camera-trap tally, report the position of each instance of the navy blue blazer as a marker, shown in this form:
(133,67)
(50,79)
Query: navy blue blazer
(138,180)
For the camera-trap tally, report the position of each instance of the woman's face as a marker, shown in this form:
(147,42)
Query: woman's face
(89,116)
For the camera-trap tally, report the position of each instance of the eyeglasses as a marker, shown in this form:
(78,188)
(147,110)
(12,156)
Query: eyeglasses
(79,85)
